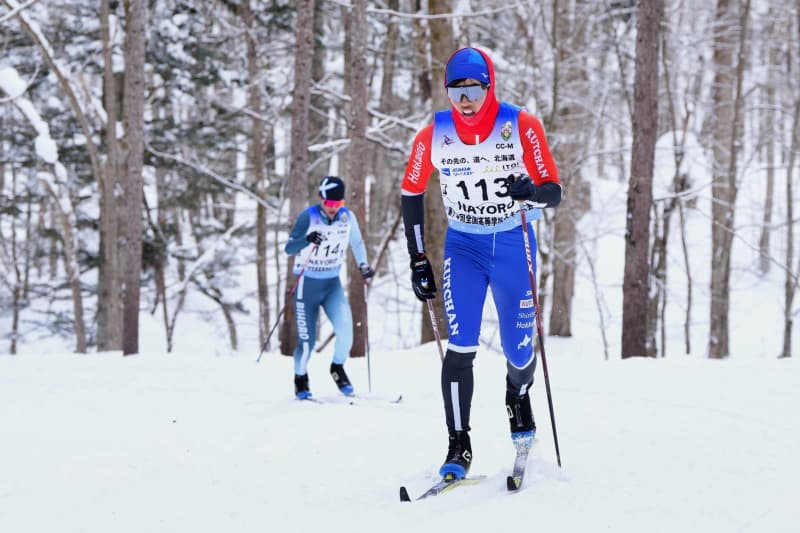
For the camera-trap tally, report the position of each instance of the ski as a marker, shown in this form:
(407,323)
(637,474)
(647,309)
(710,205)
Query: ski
(352,399)
(371,398)
(514,481)
(523,447)
(444,485)
(310,399)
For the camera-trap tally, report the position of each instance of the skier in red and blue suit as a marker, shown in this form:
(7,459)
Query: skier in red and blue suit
(493,160)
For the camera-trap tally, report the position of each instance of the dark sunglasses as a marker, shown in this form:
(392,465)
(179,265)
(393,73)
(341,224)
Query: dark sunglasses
(472,92)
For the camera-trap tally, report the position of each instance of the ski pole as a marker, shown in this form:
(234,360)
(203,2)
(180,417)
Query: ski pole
(435,329)
(366,333)
(532,278)
(288,299)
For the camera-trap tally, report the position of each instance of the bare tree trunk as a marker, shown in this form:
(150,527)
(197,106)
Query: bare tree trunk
(318,118)
(658,274)
(680,183)
(52,256)
(385,167)
(768,123)
(423,78)
(70,241)
(16,304)
(792,276)
(160,279)
(689,284)
(298,168)
(727,100)
(442,45)
(358,158)
(636,283)
(31,245)
(257,164)
(567,122)
(136,16)
(109,311)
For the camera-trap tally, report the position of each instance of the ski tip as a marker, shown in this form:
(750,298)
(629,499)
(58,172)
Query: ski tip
(511,484)
(404,497)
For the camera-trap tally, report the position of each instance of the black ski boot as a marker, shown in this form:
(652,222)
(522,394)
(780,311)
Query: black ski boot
(342,381)
(459,456)
(520,418)
(301,390)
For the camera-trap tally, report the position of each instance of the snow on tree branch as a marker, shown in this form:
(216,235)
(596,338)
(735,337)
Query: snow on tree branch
(35,32)
(17,9)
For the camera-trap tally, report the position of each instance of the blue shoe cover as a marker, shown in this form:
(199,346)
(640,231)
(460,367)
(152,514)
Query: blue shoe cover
(523,440)
(453,471)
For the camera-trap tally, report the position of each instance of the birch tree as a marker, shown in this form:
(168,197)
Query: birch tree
(729,64)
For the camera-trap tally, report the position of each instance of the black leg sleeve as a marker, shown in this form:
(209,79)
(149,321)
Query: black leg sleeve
(457,387)
(519,380)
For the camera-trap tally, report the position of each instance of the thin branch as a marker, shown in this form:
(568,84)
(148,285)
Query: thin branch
(16,10)
(210,173)
(400,14)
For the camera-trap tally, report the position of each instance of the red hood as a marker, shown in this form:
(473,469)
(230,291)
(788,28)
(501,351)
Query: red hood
(482,122)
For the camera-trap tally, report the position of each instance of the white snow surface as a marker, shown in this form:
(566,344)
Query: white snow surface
(201,443)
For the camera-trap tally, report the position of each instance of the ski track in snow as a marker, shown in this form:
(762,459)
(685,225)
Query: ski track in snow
(157,443)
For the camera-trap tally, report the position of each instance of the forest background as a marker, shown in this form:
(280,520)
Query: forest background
(226,114)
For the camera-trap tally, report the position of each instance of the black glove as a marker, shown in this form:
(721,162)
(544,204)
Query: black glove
(366,271)
(315,237)
(522,188)
(422,278)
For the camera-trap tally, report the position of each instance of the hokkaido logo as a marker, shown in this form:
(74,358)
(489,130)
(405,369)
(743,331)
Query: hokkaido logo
(525,341)
(416,163)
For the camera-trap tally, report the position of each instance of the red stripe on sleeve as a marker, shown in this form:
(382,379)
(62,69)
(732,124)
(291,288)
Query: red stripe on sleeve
(419,167)
(536,153)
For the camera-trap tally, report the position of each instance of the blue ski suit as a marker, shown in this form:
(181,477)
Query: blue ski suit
(319,286)
(484,247)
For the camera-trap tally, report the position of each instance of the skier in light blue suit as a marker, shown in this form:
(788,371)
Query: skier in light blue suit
(321,236)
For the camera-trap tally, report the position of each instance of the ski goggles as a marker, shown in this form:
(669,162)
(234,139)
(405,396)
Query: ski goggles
(472,92)
(331,204)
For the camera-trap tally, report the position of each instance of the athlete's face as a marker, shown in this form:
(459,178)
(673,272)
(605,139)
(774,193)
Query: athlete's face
(461,100)
(331,207)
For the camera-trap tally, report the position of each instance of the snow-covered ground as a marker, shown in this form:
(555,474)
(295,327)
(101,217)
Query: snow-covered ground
(207,440)
(201,443)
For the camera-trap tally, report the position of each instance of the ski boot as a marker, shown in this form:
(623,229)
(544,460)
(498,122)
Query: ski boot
(520,418)
(459,456)
(301,390)
(340,378)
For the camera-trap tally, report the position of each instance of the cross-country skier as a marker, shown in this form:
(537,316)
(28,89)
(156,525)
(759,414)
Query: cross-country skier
(479,146)
(321,235)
